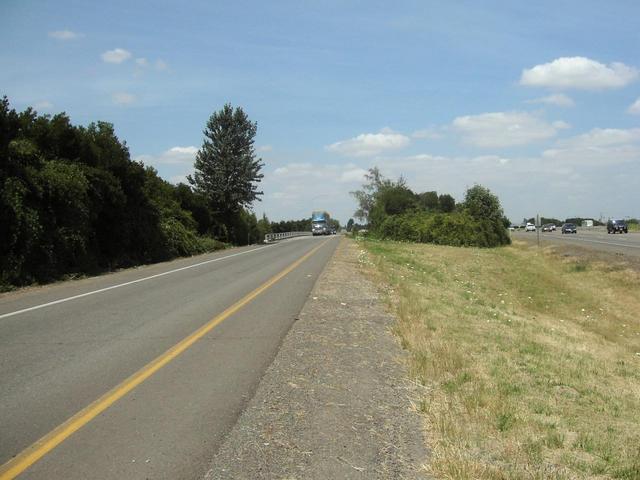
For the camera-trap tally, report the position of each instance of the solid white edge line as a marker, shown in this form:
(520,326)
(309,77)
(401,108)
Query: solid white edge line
(93,292)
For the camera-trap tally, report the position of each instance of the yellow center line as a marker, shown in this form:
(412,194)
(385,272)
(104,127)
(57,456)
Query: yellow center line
(51,440)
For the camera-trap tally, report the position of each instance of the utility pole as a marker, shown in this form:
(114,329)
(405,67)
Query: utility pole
(538,228)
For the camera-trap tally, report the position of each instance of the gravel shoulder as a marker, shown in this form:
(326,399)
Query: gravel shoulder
(336,401)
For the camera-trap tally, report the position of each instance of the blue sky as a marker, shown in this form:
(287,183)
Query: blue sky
(539,101)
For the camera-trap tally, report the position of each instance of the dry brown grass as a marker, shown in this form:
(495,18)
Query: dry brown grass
(531,361)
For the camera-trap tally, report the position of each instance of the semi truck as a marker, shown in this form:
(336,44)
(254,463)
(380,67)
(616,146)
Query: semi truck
(320,223)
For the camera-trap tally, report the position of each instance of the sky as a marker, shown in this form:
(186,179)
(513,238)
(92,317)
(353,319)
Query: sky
(538,101)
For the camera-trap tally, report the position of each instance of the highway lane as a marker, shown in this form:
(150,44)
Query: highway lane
(58,359)
(597,239)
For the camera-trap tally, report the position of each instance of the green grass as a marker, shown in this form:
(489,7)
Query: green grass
(529,372)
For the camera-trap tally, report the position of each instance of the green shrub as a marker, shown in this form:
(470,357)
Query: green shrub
(457,229)
(181,241)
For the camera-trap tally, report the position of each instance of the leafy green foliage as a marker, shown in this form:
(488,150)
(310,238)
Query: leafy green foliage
(350,224)
(457,229)
(73,201)
(394,212)
(429,201)
(303,225)
(366,197)
(481,203)
(447,203)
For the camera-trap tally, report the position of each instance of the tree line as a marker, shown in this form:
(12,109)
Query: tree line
(72,201)
(391,210)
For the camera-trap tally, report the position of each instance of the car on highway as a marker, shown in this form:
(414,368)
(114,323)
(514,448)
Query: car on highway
(530,227)
(548,227)
(617,226)
(569,228)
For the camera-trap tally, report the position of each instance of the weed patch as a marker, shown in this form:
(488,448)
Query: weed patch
(529,371)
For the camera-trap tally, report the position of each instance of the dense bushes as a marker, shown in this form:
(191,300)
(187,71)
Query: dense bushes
(73,201)
(181,241)
(394,212)
(457,229)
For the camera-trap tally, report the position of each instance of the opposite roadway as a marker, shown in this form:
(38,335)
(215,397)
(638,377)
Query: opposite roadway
(595,239)
(62,356)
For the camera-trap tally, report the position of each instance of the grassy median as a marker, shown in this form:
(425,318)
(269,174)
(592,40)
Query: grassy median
(530,361)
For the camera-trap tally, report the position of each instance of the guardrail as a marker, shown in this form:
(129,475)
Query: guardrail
(272,237)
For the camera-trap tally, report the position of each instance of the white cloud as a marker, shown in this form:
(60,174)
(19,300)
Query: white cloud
(123,98)
(503,129)
(634,108)
(297,170)
(142,62)
(370,143)
(593,156)
(285,195)
(174,164)
(603,137)
(64,35)
(175,179)
(43,105)
(428,157)
(178,151)
(117,55)
(354,175)
(161,65)
(598,147)
(265,148)
(174,156)
(490,160)
(578,72)
(557,99)
(559,183)
(560,125)
(427,133)
(348,173)
(295,189)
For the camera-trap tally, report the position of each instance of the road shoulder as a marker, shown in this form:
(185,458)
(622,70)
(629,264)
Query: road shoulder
(336,402)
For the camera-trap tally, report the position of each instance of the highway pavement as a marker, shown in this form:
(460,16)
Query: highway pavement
(596,239)
(141,373)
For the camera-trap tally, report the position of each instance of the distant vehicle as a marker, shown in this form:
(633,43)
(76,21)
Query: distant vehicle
(320,223)
(617,226)
(548,227)
(513,227)
(569,228)
(530,227)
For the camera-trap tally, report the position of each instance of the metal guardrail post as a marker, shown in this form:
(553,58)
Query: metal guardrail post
(272,237)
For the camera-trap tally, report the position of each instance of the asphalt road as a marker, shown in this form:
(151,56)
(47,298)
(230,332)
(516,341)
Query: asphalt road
(59,357)
(596,239)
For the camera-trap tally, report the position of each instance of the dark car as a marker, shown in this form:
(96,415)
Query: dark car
(569,228)
(615,226)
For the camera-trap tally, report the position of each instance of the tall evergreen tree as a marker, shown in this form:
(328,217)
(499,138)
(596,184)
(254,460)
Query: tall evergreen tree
(227,170)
